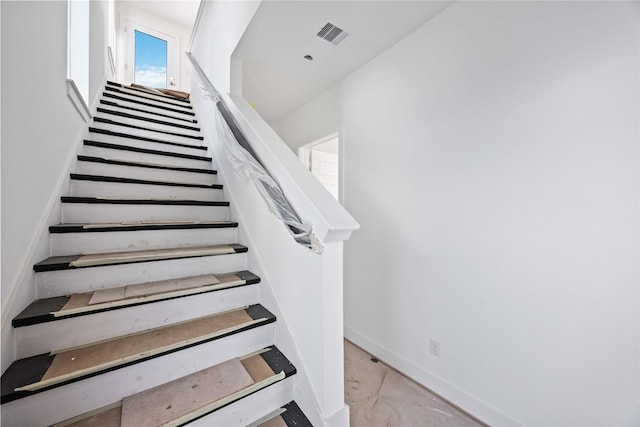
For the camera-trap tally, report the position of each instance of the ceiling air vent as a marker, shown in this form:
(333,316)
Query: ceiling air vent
(332,34)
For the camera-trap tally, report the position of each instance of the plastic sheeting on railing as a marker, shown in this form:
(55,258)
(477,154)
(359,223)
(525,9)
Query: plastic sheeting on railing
(245,164)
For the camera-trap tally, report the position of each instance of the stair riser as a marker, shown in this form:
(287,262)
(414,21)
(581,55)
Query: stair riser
(135,98)
(175,118)
(250,408)
(152,97)
(45,337)
(66,282)
(149,145)
(148,133)
(133,104)
(143,191)
(93,168)
(116,241)
(112,153)
(90,213)
(145,124)
(67,401)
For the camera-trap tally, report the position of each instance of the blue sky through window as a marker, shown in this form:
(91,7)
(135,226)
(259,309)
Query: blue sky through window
(150,60)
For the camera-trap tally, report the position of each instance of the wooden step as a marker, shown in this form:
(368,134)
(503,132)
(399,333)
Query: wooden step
(86,185)
(147,112)
(193,396)
(132,153)
(96,260)
(87,238)
(58,308)
(144,170)
(46,371)
(134,129)
(149,98)
(145,118)
(165,142)
(132,101)
(96,320)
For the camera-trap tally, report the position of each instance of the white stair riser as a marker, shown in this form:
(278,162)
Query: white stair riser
(175,118)
(135,99)
(133,156)
(149,145)
(73,213)
(252,407)
(135,105)
(67,401)
(45,337)
(153,97)
(104,169)
(66,282)
(145,124)
(82,188)
(117,241)
(148,133)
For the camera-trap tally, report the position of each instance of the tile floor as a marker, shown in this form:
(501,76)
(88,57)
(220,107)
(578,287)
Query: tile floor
(379,396)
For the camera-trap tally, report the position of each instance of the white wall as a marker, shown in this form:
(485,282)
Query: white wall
(492,159)
(40,132)
(126,10)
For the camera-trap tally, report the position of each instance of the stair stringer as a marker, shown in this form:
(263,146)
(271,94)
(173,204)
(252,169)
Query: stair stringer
(247,207)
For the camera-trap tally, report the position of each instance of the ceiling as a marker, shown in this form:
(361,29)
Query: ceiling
(276,77)
(182,12)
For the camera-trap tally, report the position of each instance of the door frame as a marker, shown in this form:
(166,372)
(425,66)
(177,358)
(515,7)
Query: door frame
(304,154)
(172,54)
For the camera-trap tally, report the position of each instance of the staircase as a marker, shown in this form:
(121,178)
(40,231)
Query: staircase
(146,314)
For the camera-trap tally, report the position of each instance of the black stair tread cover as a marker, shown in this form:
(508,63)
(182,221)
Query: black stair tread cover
(135,101)
(115,123)
(167,202)
(150,165)
(80,227)
(154,113)
(294,415)
(147,119)
(144,138)
(103,178)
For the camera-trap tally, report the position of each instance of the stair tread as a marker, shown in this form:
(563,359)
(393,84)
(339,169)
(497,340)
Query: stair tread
(144,138)
(173,401)
(138,226)
(289,415)
(139,110)
(67,262)
(144,164)
(146,119)
(69,365)
(128,92)
(56,308)
(146,104)
(164,95)
(123,180)
(113,201)
(147,129)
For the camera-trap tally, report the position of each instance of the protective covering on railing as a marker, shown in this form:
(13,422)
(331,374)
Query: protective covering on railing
(245,163)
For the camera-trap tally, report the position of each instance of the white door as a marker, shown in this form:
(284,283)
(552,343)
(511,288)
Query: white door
(151,57)
(324,166)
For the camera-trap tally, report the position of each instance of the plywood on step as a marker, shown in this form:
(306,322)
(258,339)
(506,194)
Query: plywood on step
(150,255)
(107,418)
(106,295)
(276,421)
(92,358)
(173,400)
(84,303)
(77,300)
(152,288)
(257,368)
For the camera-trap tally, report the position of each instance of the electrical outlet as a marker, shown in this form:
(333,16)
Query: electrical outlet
(434,347)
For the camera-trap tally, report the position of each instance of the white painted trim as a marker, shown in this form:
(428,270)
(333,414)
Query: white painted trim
(78,101)
(112,63)
(196,25)
(469,403)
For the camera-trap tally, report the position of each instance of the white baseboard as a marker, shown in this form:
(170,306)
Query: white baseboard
(470,404)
